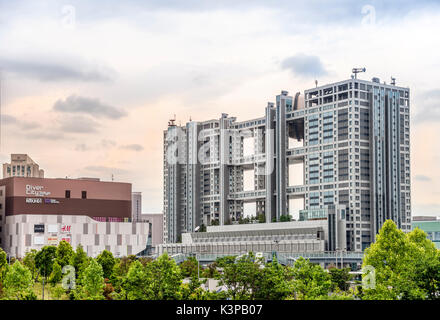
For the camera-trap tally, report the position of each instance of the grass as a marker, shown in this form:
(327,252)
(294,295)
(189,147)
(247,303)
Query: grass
(50,292)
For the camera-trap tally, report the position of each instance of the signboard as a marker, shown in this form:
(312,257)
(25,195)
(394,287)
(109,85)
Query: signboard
(34,200)
(65,228)
(52,241)
(38,240)
(52,228)
(51,201)
(36,191)
(38,228)
(66,238)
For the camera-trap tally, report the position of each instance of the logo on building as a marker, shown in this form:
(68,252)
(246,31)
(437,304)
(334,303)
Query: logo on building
(51,201)
(65,229)
(52,241)
(38,228)
(34,200)
(36,191)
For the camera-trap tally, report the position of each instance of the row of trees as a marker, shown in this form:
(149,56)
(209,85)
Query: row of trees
(406,266)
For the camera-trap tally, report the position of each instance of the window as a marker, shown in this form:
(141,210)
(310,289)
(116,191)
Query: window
(67,194)
(83,194)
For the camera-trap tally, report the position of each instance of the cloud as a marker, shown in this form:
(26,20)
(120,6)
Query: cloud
(45,136)
(422,178)
(23,125)
(134,147)
(428,107)
(91,106)
(105,170)
(78,124)
(53,71)
(106,143)
(82,147)
(304,65)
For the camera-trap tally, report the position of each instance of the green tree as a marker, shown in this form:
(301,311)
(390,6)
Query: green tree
(275,282)
(311,281)
(189,267)
(56,274)
(340,278)
(406,265)
(240,275)
(211,271)
(120,270)
(44,260)
(18,283)
(137,284)
(193,289)
(3,264)
(92,282)
(107,261)
(29,262)
(165,278)
(64,253)
(79,260)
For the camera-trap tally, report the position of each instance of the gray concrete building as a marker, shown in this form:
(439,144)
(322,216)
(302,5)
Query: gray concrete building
(345,144)
(22,166)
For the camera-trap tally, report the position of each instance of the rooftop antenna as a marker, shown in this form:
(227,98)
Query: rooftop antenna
(113,177)
(190,119)
(171,122)
(357,70)
(316,83)
(393,81)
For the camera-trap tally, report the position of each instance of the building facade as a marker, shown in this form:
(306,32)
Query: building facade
(136,206)
(36,212)
(156,220)
(22,166)
(345,143)
(431,225)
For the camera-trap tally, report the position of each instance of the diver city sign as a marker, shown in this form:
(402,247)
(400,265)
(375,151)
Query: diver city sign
(36,191)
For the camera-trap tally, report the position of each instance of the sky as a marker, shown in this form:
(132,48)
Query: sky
(88,87)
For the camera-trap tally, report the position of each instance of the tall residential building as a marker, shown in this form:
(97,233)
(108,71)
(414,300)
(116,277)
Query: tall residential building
(345,143)
(22,166)
(136,206)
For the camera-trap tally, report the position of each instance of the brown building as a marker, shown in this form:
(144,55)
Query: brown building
(105,201)
(35,212)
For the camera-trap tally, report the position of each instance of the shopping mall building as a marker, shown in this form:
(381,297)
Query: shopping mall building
(35,212)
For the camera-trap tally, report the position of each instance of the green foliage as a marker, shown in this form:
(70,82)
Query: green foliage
(340,278)
(92,283)
(137,283)
(261,218)
(29,262)
(311,281)
(274,282)
(240,275)
(120,270)
(64,253)
(107,261)
(193,290)
(406,265)
(189,267)
(18,283)
(3,264)
(44,260)
(285,218)
(56,274)
(165,279)
(211,271)
(79,260)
